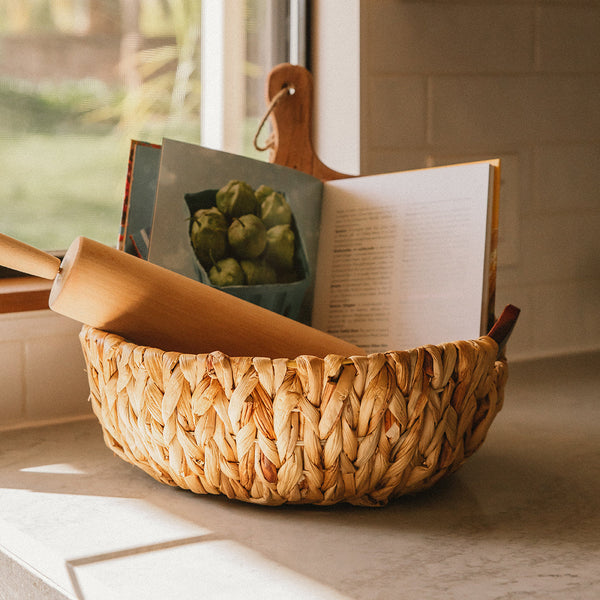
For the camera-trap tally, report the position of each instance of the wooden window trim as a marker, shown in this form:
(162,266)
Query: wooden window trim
(21,294)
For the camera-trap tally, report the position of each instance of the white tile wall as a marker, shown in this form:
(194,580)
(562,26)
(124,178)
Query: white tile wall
(507,110)
(519,80)
(381,160)
(568,37)
(391,96)
(560,247)
(434,37)
(564,177)
(42,377)
(565,318)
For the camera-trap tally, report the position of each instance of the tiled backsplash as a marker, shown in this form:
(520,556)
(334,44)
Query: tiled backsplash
(444,82)
(42,377)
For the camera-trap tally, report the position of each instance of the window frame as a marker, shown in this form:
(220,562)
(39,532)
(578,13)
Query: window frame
(20,292)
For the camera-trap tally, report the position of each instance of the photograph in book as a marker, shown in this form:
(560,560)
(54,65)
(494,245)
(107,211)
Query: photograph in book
(248,227)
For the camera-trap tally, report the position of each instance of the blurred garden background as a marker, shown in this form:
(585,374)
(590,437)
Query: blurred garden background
(78,80)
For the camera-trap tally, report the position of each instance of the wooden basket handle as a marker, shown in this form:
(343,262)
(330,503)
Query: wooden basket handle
(291,119)
(503,327)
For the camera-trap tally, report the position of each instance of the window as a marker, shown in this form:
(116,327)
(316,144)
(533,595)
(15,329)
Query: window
(80,78)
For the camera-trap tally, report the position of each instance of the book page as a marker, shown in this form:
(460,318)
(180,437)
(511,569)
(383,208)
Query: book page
(402,257)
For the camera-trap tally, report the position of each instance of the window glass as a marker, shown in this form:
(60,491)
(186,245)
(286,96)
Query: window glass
(80,78)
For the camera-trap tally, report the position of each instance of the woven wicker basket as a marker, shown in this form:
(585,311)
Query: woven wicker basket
(361,430)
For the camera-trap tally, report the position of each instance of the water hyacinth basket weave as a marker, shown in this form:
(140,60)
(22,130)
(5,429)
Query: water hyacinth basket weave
(361,430)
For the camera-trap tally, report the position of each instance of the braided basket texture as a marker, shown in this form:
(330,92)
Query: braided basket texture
(361,430)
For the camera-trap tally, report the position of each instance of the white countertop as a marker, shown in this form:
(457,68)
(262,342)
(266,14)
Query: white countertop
(521,519)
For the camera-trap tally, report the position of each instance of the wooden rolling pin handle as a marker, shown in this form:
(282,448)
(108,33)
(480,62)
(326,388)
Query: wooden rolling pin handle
(27,259)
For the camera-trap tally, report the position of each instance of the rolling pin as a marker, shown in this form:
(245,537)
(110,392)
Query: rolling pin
(152,306)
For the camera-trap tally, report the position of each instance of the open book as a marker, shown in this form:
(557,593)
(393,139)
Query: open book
(389,261)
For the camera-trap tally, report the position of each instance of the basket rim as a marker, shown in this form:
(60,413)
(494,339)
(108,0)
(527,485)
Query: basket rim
(95,333)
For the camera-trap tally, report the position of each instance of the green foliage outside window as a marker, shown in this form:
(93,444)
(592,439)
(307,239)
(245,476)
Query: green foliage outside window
(64,140)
